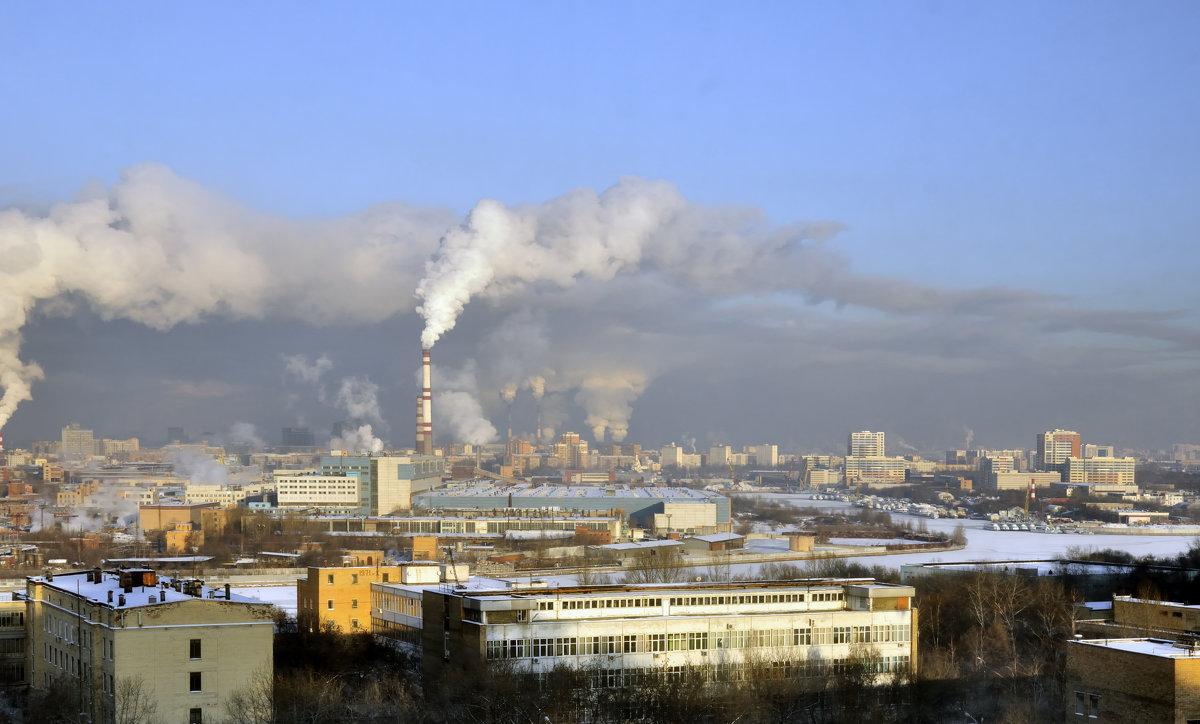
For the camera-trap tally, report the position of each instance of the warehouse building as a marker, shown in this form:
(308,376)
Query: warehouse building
(690,511)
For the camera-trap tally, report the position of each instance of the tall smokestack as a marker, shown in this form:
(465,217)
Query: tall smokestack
(425,429)
(420,427)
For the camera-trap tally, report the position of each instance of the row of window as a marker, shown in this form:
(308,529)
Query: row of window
(694,641)
(742,671)
(709,600)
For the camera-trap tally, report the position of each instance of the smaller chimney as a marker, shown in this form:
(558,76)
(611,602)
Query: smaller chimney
(226,591)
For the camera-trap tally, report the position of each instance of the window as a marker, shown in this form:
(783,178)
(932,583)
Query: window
(195,716)
(354,623)
(354,603)
(329,604)
(329,579)
(194,649)
(194,681)
(1093,705)
(385,578)
(354,578)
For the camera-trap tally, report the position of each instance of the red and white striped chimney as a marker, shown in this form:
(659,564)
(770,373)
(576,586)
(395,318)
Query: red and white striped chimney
(425,420)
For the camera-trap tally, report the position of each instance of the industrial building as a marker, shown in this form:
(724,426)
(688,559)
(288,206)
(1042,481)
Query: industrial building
(359,484)
(624,633)
(680,509)
(185,646)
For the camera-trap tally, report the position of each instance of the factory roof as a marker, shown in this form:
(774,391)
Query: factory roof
(158,590)
(568,492)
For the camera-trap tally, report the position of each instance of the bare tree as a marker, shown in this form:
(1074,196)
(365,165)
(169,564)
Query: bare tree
(135,702)
(253,703)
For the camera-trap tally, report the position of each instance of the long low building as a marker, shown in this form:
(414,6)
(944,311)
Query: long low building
(624,633)
(682,509)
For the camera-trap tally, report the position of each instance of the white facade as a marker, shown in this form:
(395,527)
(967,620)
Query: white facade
(865,444)
(794,627)
(336,494)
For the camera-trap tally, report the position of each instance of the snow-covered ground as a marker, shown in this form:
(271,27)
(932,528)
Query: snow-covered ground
(282,596)
(983,544)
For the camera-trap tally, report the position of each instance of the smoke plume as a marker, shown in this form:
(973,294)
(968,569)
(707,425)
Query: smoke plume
(635,224)
(456,402)
(160,250)
(608,402)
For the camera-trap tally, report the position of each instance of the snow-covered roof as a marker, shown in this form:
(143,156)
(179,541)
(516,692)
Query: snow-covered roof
(640,545)
(1149,647)
(717,537)
(80,584)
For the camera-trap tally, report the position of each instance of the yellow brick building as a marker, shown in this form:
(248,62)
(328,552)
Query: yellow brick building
(340,597)
(180,648)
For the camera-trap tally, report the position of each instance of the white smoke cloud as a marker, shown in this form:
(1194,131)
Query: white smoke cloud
(536,384)
(245,433)
(297,367)
(608,402)
(456,402)
(358,440)
(358,397)
(196,467)
(508,392)
(970,437)
(161,250)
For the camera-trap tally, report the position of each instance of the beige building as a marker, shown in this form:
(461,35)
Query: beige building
(179,648)
(1107,471)
(1132,681)
(875,467)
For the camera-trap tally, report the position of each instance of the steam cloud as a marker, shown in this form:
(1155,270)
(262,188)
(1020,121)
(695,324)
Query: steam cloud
(456,400)
(161,250)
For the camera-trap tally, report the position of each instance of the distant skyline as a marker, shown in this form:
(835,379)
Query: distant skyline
(775,223)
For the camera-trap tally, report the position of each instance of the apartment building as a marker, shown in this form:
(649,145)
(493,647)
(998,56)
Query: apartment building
(624,633)
(186,646)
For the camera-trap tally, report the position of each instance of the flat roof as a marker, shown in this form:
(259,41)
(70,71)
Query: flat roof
(76,583)
(568,492)
(1147,647)
(684,587)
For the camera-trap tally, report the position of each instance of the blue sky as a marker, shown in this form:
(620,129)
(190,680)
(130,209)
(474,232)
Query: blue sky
(1049,147)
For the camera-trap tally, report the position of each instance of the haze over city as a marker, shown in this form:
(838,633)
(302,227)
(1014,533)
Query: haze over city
(671,223)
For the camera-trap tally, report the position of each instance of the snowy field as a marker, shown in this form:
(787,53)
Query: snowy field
(983,543)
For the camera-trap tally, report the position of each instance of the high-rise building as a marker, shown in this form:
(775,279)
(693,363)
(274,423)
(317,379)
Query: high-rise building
(719,456)
(865,444)
(766,456)
(298,437)
(77,442)
(571,451)
(671,456)
(1054,447)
